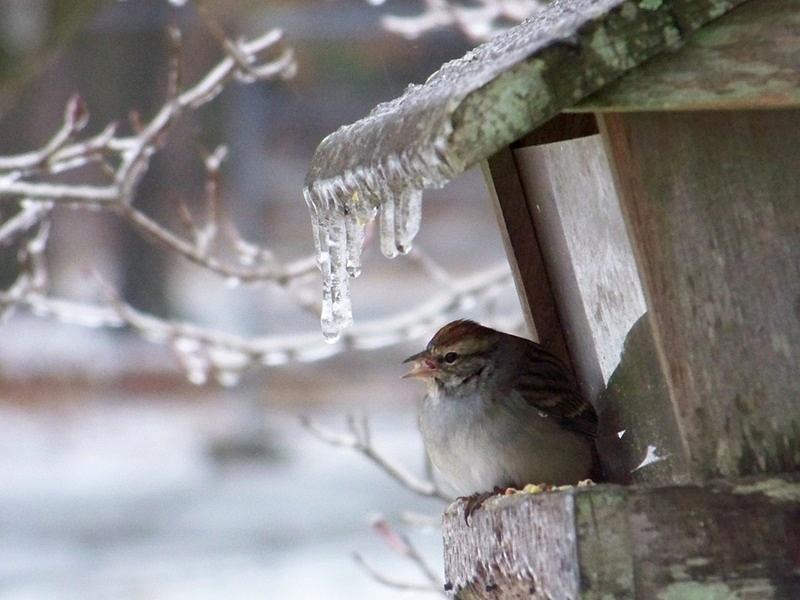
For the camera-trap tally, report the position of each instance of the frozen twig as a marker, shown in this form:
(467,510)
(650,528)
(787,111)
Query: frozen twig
(479,20)
(33,176)
(402,545)
(31,185)
(204,351)
(357,438)
(29,215)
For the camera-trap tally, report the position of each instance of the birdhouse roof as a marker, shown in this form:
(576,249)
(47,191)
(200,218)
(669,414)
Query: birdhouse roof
(473,106)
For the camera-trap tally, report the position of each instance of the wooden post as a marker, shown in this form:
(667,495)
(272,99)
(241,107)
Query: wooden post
(725,540)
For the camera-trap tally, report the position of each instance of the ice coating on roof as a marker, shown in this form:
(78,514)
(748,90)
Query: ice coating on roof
(382,163)
(470,108)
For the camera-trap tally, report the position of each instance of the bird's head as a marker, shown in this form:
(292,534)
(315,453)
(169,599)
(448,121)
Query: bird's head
(458,358)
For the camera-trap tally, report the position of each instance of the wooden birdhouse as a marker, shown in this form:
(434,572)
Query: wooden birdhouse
(644,159)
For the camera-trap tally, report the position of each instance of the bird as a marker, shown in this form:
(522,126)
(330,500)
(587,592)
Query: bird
(501,412)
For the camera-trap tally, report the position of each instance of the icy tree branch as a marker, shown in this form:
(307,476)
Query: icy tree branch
(357,438)
(402,545)
(478,20)
(205,352)
(33,176)
(105,169)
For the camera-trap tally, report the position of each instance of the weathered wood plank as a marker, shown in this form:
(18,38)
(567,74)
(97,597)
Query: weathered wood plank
(711,201)
(637,417)
(719,540)
(749,58)
(573,201)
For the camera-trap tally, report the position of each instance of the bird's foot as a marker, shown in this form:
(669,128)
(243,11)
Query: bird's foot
(476,500)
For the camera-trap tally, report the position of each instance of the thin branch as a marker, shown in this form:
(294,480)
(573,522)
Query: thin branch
(391,582)
(233,353)
(132,155)
(75,118)
(478,20)
(402,545)
(29,215)
(357,438)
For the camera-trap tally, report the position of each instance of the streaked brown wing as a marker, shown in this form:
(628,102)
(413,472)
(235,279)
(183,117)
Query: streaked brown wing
(547,384)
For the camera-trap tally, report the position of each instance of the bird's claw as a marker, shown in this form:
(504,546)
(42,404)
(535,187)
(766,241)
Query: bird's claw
(476,500)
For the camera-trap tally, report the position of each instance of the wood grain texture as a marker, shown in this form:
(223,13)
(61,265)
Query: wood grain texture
(711,201)
(636,413)
(573,201)
(720,540)
(749,58)
(521,547)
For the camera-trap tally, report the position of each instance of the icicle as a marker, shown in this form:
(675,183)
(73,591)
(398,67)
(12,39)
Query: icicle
(388,242)
(407,218)
(340,211)
(336,310)
(355,245)
(228,378)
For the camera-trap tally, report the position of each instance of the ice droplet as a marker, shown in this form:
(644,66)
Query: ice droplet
(388,230)
(197,375)
(274,357)
(228,378)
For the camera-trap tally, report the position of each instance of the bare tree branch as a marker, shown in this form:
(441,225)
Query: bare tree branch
(25,176)
(357,438)
(401,544)
(29,215)
(225,355)
(479,20)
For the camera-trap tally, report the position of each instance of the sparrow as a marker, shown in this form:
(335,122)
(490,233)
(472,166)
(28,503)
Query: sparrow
(501,412)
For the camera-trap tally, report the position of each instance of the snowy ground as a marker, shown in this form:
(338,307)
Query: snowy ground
(124,499)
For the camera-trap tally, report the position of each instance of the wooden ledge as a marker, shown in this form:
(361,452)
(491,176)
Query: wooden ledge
(724,539)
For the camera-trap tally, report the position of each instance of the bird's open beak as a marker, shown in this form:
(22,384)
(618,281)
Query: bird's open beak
(423,366)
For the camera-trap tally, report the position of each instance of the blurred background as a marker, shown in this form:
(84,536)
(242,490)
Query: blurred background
(118,477)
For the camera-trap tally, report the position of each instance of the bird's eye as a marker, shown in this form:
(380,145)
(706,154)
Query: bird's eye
(451,357)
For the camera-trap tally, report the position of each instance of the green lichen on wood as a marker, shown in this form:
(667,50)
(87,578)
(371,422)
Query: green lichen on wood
(471,108)
(775,488)
(562,73)
(749,58)
(731,540)
(603,532)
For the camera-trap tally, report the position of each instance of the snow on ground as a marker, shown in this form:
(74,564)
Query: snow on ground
(124,499)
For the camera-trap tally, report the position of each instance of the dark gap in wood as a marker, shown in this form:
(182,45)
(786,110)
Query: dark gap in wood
(564,126)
